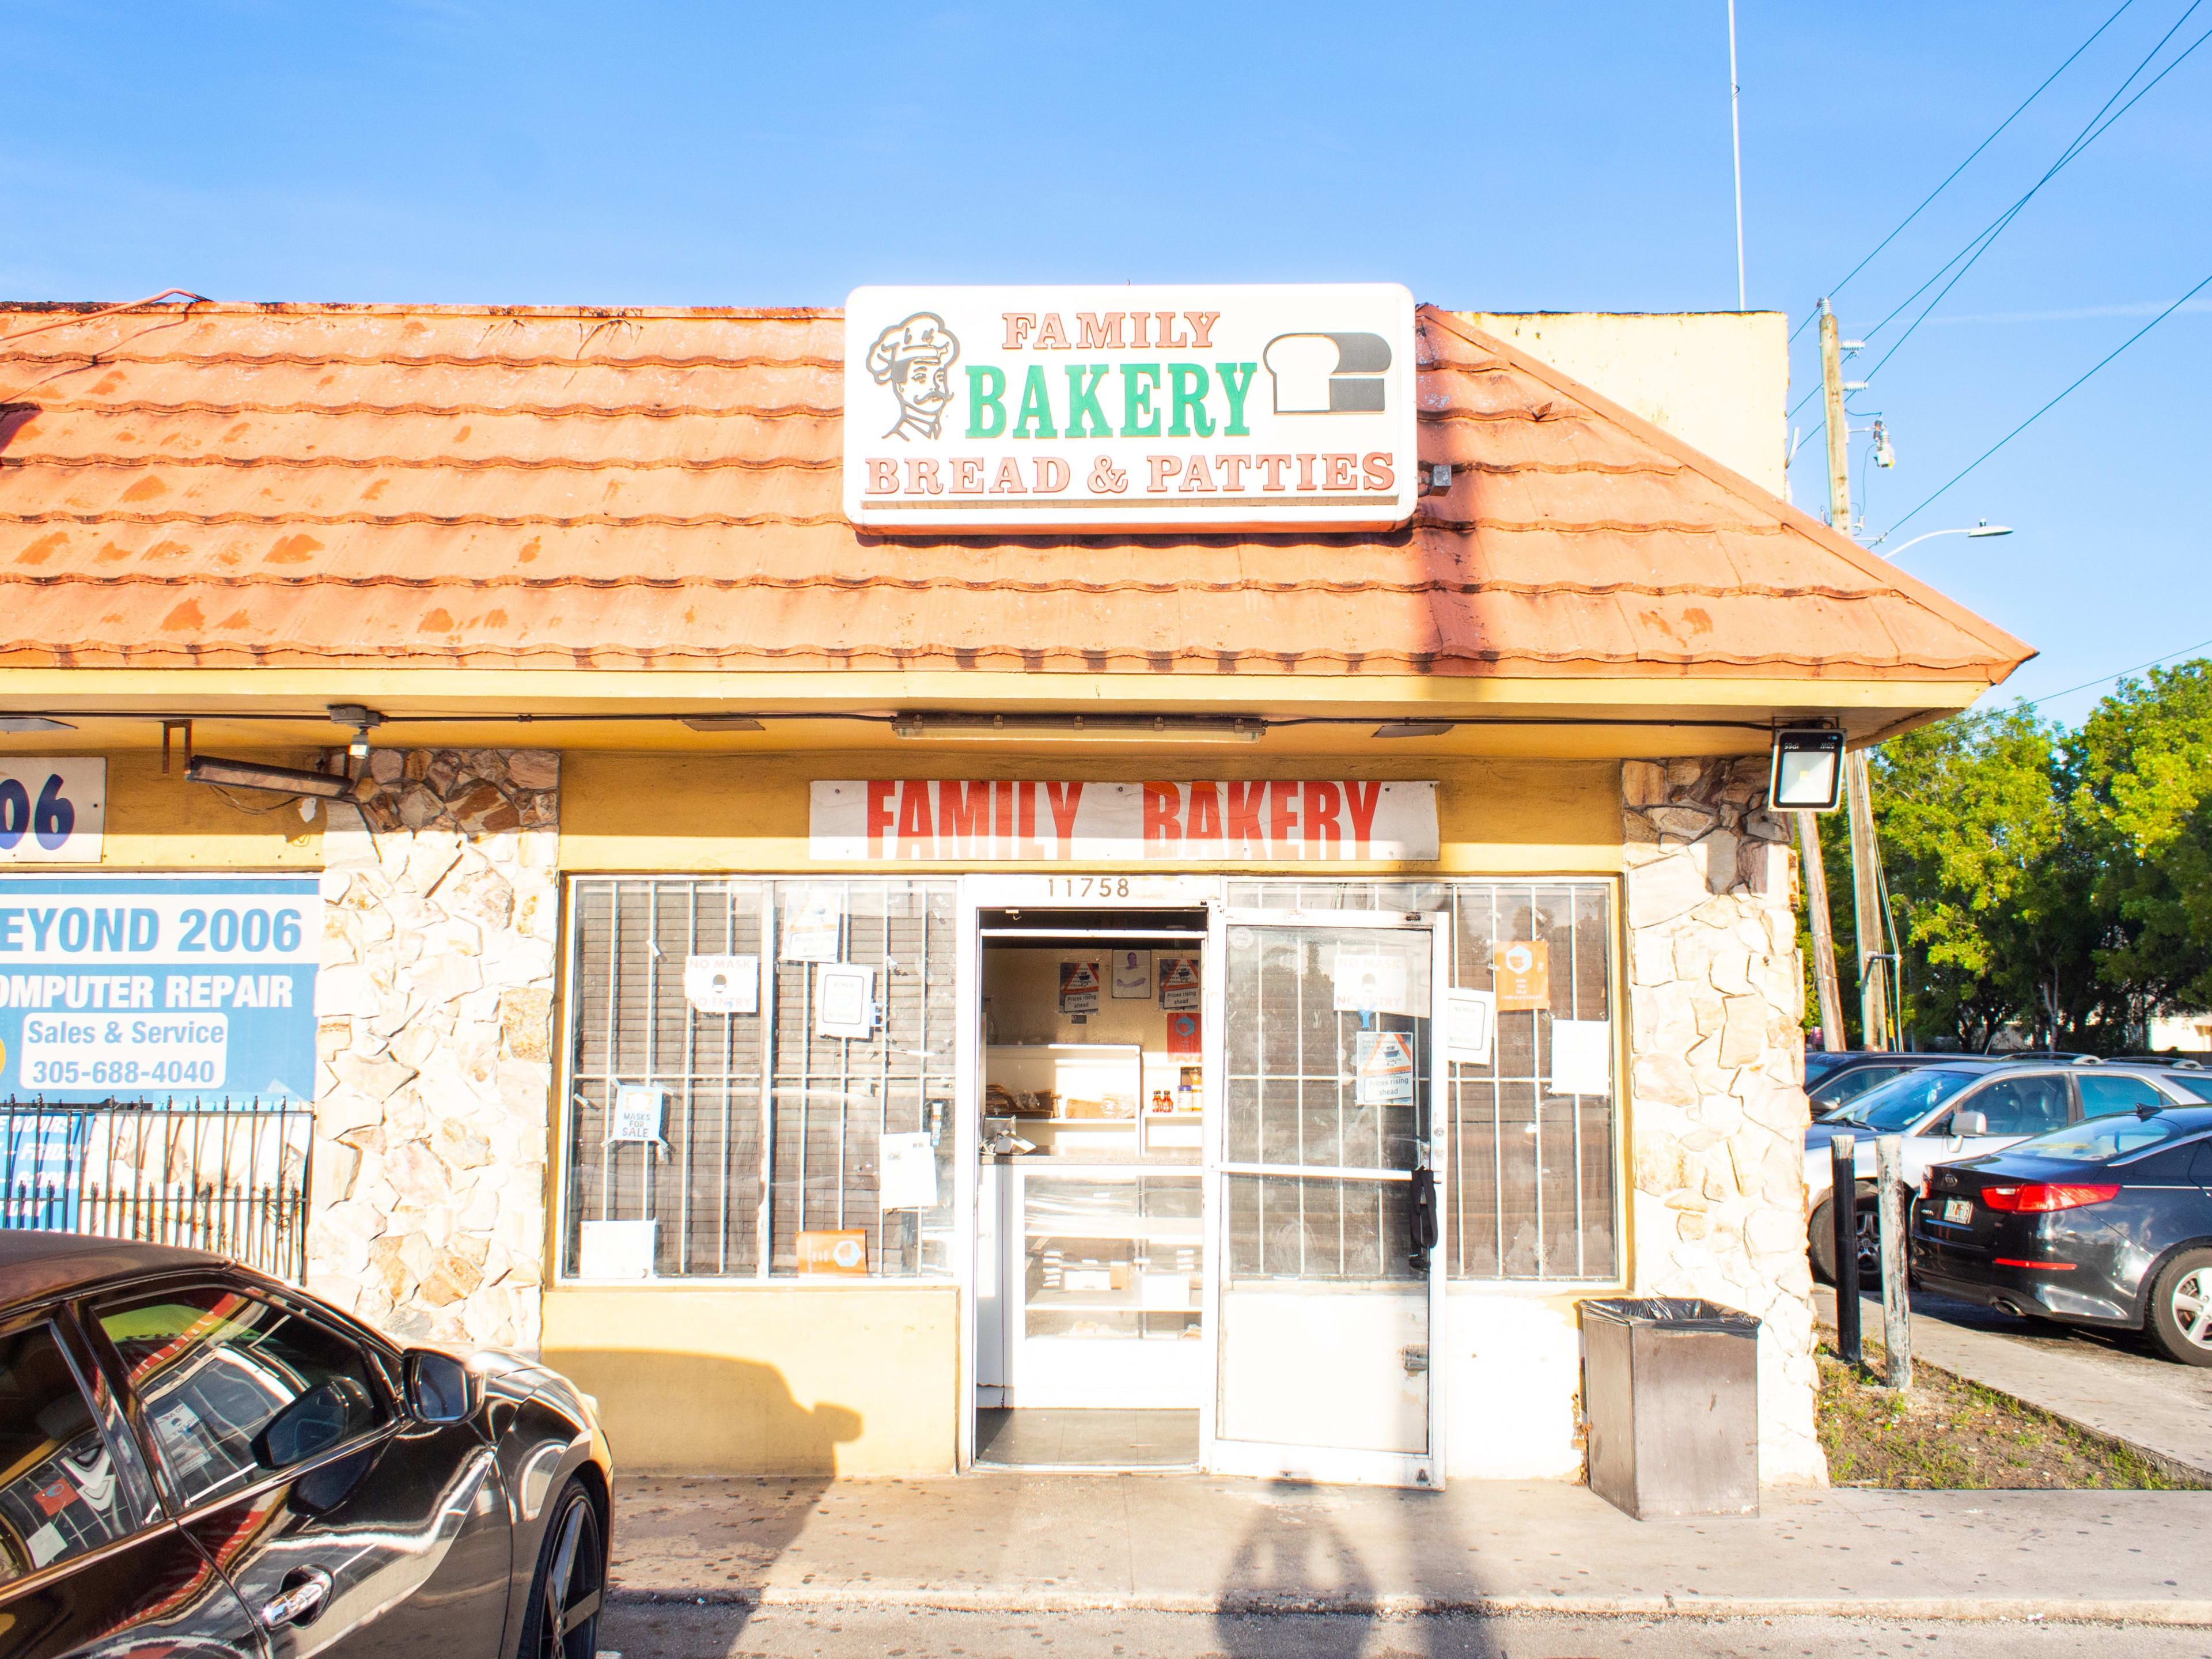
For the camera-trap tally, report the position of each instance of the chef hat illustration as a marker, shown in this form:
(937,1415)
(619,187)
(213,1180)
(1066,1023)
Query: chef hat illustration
(922,336)
(1328,373)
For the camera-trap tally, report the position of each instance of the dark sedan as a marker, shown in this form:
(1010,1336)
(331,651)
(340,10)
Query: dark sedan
(2106,1222)
(198,1459)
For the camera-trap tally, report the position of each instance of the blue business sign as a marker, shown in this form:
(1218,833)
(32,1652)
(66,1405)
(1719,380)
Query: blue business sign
(185,988)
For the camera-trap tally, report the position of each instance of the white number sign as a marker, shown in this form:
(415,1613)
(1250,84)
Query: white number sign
(52,811)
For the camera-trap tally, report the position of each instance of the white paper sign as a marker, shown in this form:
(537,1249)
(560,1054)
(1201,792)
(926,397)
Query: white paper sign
(1272,820)
(1179,985)
(813,930)
(845,1002)
(1470,1019)
(640,1111)
(1372,981)
(1129,410)
(1582,1057)
(1133,974)
(722,985)
(910,1173)
(618,1249)
(52,811)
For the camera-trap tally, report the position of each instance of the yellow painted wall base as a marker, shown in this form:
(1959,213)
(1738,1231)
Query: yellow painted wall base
(766,1381)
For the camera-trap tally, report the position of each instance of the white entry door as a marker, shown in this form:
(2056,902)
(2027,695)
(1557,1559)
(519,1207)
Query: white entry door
(1324,1164)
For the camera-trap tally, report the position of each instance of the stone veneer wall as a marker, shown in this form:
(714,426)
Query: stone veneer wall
(1716,1095)
(434,1009)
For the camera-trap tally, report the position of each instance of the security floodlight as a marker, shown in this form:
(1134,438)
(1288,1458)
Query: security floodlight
(1806,773)
(1413,729)
(276,780)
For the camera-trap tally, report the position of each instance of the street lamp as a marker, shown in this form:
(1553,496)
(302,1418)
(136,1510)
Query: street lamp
(1984,528)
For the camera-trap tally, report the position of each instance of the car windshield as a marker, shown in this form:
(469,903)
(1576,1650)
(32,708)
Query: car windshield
(2101,1139)
(1899,1104)
(1820,1063)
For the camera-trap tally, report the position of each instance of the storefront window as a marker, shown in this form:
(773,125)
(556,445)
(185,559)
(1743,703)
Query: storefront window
(761,1072)
(1529,1193)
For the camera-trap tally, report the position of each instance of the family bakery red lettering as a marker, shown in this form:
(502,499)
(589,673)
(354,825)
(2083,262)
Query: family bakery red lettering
(1043,821)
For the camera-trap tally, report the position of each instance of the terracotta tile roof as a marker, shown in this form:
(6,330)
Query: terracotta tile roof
(447,487)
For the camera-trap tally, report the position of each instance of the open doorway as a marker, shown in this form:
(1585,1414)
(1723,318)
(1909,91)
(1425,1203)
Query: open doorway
(1092,1229)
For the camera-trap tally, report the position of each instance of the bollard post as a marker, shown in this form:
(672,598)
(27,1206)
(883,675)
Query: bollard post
(1844,1207)
(1896,1296)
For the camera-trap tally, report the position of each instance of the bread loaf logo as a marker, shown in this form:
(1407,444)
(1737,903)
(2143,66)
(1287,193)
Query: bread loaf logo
(1328,373)
(914,359)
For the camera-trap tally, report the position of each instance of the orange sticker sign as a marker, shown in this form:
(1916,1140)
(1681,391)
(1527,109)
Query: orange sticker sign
(844,1251)
(1522,975)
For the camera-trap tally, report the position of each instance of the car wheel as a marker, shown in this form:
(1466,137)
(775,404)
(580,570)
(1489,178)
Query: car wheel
(561,1620)
(2181,1308)
(1820,1239)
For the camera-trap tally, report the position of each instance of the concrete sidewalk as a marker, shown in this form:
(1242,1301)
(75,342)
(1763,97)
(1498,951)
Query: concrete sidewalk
(1204,1544)
(2161,1409)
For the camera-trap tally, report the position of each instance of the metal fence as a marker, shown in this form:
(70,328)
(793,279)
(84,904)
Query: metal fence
(232,1180)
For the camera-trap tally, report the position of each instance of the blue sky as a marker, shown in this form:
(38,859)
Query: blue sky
(1521,157)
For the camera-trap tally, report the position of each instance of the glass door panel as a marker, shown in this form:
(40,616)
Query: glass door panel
(1326,1284)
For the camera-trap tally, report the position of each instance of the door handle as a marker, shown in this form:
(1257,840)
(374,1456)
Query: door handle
(1422,1219)
(300,1602)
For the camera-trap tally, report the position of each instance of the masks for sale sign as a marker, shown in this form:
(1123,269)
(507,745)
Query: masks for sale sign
(1123,409)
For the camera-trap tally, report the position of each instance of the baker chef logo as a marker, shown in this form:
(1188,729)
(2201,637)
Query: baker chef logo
(1328,373)
(1519,959)
(914,359)
(846,1253)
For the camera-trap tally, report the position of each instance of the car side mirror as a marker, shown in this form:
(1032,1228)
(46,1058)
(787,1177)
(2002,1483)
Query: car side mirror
(1965,1124)
(439,1387)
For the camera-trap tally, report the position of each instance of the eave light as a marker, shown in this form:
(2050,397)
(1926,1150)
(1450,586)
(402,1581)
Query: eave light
(1807,771)
(276,780)
(1081,728)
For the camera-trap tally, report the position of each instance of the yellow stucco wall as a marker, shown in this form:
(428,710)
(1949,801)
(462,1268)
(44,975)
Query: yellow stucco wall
(156,823)
(744,813)
(767,1380)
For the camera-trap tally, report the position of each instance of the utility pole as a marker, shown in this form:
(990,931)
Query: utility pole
(1824,933)
(1866,902)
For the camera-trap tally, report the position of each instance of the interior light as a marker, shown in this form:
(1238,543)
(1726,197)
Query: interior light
(33,723)
(1093,728)
(277,779)
(1807,772)
(1413,729)
(723,723)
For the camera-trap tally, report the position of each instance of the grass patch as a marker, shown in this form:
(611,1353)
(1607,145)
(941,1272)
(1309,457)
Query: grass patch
(1951,1434)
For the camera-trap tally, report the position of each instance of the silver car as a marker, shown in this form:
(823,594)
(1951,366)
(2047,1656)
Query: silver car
(1968,1107)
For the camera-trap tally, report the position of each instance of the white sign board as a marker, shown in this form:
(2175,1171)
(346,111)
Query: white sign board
(640,1108)
(1470,1021)
(52,811)
(910,1173)
(722,985)
(878,820)
(1582,1057)
(845,1001)
(1124,408)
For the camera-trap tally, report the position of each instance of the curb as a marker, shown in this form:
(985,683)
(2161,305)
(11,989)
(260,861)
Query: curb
(1938,1608)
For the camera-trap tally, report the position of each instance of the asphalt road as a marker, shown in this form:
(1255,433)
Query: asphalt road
(683,1631)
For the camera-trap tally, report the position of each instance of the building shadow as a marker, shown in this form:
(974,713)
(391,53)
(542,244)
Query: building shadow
(717,1470)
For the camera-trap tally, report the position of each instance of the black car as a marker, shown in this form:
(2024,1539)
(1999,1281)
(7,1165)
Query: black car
(197,1460)
(2106,1222)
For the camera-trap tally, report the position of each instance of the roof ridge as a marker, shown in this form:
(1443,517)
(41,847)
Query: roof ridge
(1830,540)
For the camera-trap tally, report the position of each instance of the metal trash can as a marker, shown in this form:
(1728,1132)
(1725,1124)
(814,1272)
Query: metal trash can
(1670,1406)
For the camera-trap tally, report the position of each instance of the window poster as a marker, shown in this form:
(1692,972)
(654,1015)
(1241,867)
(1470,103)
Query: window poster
(1371,982)
(1521,975)
(1383,1068)
(910,1173)
(1582,1056)
(1078,987)
(844,1251)
(1470,1020)
(1132,975)
(195,990)
(1184,1033)
(722,985)
(640,1113)
(1178,980)
(814,929)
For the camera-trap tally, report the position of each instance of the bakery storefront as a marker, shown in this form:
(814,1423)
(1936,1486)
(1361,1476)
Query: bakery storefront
(1064,878)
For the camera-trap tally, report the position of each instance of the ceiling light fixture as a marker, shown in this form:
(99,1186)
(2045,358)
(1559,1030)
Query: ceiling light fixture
(276,780)
(1080,729)
(1415,728)
(722,723)
(33,723)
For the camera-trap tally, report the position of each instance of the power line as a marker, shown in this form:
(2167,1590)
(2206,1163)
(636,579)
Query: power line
(1980,243)
(2052,404)
(1968,162)
(2105,678)
(2089,136)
